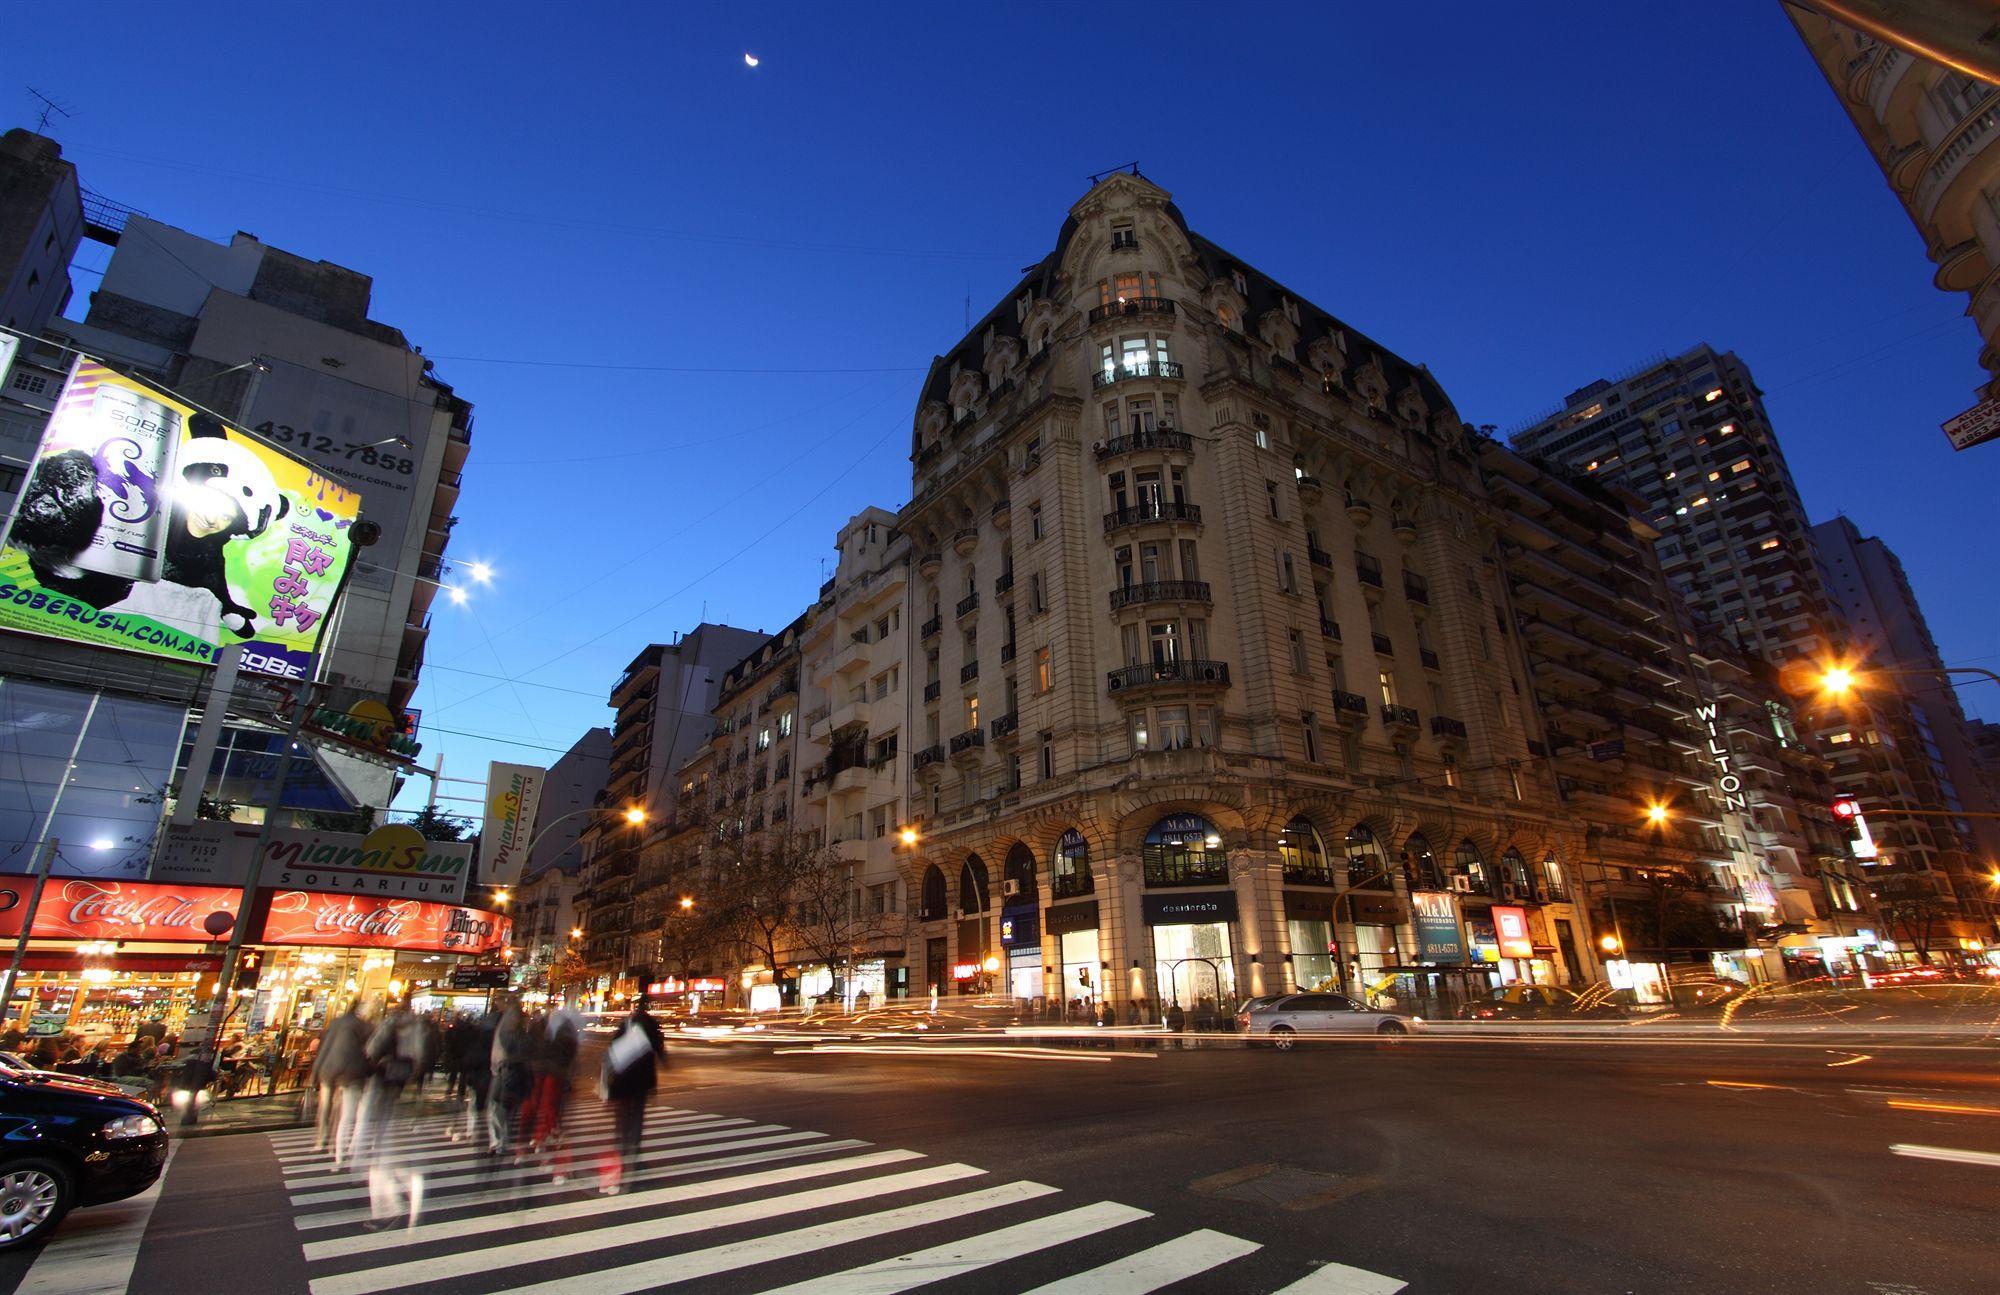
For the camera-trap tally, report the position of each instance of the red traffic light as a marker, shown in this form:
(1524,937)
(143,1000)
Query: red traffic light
(1846,807)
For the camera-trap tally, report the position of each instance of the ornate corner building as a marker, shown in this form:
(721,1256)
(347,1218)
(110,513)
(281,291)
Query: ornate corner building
(1219,674)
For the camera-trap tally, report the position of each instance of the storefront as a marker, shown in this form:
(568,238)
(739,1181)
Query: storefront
(1193,956)
(105,957)
(1079,963)
(1021,939)
(1309,933)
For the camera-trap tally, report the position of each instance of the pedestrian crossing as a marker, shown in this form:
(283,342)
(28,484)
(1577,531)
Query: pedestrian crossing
(726,1203)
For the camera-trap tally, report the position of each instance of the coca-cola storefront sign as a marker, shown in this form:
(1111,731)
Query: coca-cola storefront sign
(82,908)
(365,922)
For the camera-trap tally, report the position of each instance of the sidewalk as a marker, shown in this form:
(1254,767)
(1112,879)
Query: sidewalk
(278,1111)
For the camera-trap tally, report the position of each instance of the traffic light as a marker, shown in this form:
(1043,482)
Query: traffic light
(1846,807)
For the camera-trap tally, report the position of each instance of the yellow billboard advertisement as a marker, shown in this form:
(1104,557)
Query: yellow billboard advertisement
(151,526)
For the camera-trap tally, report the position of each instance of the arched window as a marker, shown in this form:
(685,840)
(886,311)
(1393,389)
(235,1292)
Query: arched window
(1424,871)
(934,898)
(1019,877)
(1184,850)
(1553,888)
(972,888)
(1365,865)
(1514,873)
(1303,854)
(1072,870)
(1467,862)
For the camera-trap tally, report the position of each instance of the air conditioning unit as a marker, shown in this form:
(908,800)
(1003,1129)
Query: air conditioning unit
(1010,888)
(1211,674)
(1462,884)
(1116,683)
(1097,447)
(1507,891)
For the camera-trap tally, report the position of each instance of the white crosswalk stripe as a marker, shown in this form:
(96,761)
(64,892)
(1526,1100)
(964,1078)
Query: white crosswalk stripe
(787,1197)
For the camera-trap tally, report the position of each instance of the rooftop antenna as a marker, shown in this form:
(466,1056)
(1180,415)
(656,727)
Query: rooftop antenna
(48,106)
(1129,168)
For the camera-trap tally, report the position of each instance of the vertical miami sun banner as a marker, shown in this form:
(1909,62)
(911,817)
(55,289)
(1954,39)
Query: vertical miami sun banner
(151,526)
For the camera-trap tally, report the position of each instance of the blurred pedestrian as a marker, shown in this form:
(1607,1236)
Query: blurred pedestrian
(338,1070)
(471,1047)
(631,1073)
(555,1072)
(511,1078)
(394,1050)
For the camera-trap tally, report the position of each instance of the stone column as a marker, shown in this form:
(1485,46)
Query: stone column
(1258,945)
(1122,935)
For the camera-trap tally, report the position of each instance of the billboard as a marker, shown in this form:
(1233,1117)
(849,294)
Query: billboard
(1438,938)
(513,795)
(394,860)
(150,526)
(1512,926)
(349,430)
(1975,426)
(79,908)
(360,922)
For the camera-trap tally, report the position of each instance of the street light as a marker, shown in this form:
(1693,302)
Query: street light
(576,933)
(1656,814)
(687,902)
(1840,680)
(635,816)
(909,836)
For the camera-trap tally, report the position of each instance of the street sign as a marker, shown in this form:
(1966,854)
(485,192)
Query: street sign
(479,977)
(1977,424)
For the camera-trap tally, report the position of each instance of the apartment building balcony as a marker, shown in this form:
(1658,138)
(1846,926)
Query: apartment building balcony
(1444,726)
(1130,308)
(1429,659)
(1383,645)
(967,605)
(933,690)
(965,540)
(1126,372)
(851,657)
(1152,513)
(1311,489)
(1350,709)
(968,672)
(1003,514)
(1329,628)
(1319,557)
(969,744)
(1005,729)
(928,758)
(928,563)
(1368,570)
(932,627)
(1401,720)
(1003,584)
(1952,158)
(1160,591)
(1416,589)
(786,686)
(1007,651)
(1162,438)
(1186,673)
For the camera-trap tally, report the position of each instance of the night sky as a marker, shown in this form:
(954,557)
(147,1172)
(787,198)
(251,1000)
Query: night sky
(691,300)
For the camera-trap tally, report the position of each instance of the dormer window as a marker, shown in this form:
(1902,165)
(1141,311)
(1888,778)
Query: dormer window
(1124,233)
(1242,284)
(1022,304)
(1292,311)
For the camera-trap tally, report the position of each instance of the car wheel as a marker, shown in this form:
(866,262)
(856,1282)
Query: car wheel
(1392,1031)
(34,1196)
(1284,1038)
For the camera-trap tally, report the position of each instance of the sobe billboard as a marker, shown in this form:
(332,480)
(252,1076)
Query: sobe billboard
(151,526)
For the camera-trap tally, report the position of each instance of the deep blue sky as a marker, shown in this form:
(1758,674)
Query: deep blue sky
(1525,197)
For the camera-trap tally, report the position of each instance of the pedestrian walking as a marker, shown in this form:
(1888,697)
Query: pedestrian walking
(471,1044)
(631,1073)
(511,1079)
(554,1072)
(339,1069)
(394,1052)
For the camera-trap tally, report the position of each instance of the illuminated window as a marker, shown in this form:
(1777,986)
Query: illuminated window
(1712,396)
(1670,476)
(1840,739)
(1768,544)
(1727,429)
(1741,465)
(1715,476)
(1699,502)
(1044,672)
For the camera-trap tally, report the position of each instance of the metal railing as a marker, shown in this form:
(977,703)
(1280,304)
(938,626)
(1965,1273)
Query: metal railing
(1400,716)
(970,740)
(968,672)
(1160,591)
(1144,369)
(1383,645)
(1368,568)
(1188,671)
(1163,511)
(1162,438)
(1446,726)
(1131,306)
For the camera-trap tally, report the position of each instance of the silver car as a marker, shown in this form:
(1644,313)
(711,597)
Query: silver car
(1281,1020)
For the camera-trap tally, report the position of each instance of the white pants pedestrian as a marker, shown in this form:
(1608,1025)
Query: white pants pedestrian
(339,1109)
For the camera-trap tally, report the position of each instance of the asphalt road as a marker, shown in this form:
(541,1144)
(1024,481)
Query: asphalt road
(1448,1165)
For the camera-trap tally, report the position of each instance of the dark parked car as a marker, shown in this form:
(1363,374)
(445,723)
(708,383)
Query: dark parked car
(65,1143)
(1541,1003)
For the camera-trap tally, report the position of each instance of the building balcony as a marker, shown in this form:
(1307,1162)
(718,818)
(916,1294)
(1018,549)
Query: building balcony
(929,563)
(932,627)
(1350,709)
(1007,651)
(1126,372)
(1368,570)
(1429,658)
(1383,645)
(965,540)
(1143,514)
(1131,308)
(1416,589)
(1311,489)
(1184,673)
(969,743)
(1329,628)
(1006,728)
(933,690)
(1164,438)
(1966,141)
(1003,514)
(1319,557)
(1003,584)
(1160,591)
(924,759)
(968,672)
(1446,726)
(1400,718)
(968,605)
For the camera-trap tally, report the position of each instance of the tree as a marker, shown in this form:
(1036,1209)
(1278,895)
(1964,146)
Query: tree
(433,824)
(1915,907)
(359,821)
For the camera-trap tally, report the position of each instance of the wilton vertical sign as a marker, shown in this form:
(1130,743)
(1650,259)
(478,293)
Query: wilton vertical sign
(513,795)
(1728,787)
